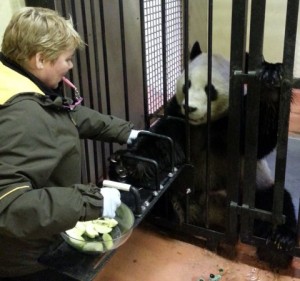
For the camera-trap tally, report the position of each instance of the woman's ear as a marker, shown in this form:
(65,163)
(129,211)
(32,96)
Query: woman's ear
(38,60)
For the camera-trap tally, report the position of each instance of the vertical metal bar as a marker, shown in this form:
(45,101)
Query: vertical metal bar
(285,98)
(281,151)
(186,75)
(256,34)
(237,65)
(106,78)
(298,225)
(103,31)
(124,64)
(84,7)
(291,24)
(86,14)
(252,108)
(209,83)
(96,53)
(90,29)
(164,50)
(143,46)
(186,88)
(98,92)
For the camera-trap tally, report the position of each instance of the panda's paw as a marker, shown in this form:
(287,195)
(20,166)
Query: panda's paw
(275,259)
(277,251)
(271,74)
(117,170)
(124,166)
(282,239)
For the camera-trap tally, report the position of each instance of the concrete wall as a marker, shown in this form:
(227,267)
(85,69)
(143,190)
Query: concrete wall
(7,8)
(273,36)
(274,26)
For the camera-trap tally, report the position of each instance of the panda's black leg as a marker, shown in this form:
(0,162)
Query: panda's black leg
(281,240)
(178,209)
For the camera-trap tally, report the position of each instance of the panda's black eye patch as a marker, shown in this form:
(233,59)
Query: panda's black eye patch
(213,92)
(189,86)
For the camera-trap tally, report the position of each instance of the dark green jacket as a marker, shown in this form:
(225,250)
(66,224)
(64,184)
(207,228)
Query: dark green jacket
(40,167)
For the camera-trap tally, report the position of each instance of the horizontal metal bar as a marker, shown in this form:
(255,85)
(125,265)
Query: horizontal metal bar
(254,213)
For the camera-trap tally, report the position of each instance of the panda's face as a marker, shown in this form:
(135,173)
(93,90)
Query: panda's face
(198,89)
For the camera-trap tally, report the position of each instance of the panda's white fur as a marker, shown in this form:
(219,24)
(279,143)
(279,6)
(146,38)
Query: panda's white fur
(197,99)
(197,95)
(264,177)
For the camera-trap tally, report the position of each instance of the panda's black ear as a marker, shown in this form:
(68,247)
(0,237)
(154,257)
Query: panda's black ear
(196,50)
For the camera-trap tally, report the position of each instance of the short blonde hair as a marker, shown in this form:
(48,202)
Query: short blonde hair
(32,30)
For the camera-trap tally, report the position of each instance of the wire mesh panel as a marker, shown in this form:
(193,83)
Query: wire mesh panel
(154,25)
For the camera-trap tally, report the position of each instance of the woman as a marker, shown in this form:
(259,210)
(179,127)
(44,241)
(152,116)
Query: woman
(40,191)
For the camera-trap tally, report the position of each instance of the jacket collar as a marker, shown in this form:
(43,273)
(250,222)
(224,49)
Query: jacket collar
(14,80)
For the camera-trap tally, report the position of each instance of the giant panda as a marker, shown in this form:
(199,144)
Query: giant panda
(173,125)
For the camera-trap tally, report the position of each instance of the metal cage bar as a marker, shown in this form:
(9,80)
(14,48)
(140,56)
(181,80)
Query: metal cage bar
(252,112)
(164,52)
(285,100)
(124,62)
(186,74)
(237,71)
(209,83)
(143,45)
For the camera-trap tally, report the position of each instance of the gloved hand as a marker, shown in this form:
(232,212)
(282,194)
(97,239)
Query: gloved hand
(133,135)
(111,201)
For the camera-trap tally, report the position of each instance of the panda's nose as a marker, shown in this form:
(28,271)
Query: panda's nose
(191,109)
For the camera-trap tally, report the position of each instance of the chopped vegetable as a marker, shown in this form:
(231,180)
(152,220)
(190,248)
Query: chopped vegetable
(102,228)
(75,238)
(81,226)
(108,241)
(111,222)
(90,231)
(93,247)
(75,233)
(92,236)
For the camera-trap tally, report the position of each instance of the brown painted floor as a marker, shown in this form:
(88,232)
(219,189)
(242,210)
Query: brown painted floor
(152,256)
(149,255)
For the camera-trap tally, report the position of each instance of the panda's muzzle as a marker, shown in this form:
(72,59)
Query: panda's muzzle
(193,118)
(191,109)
